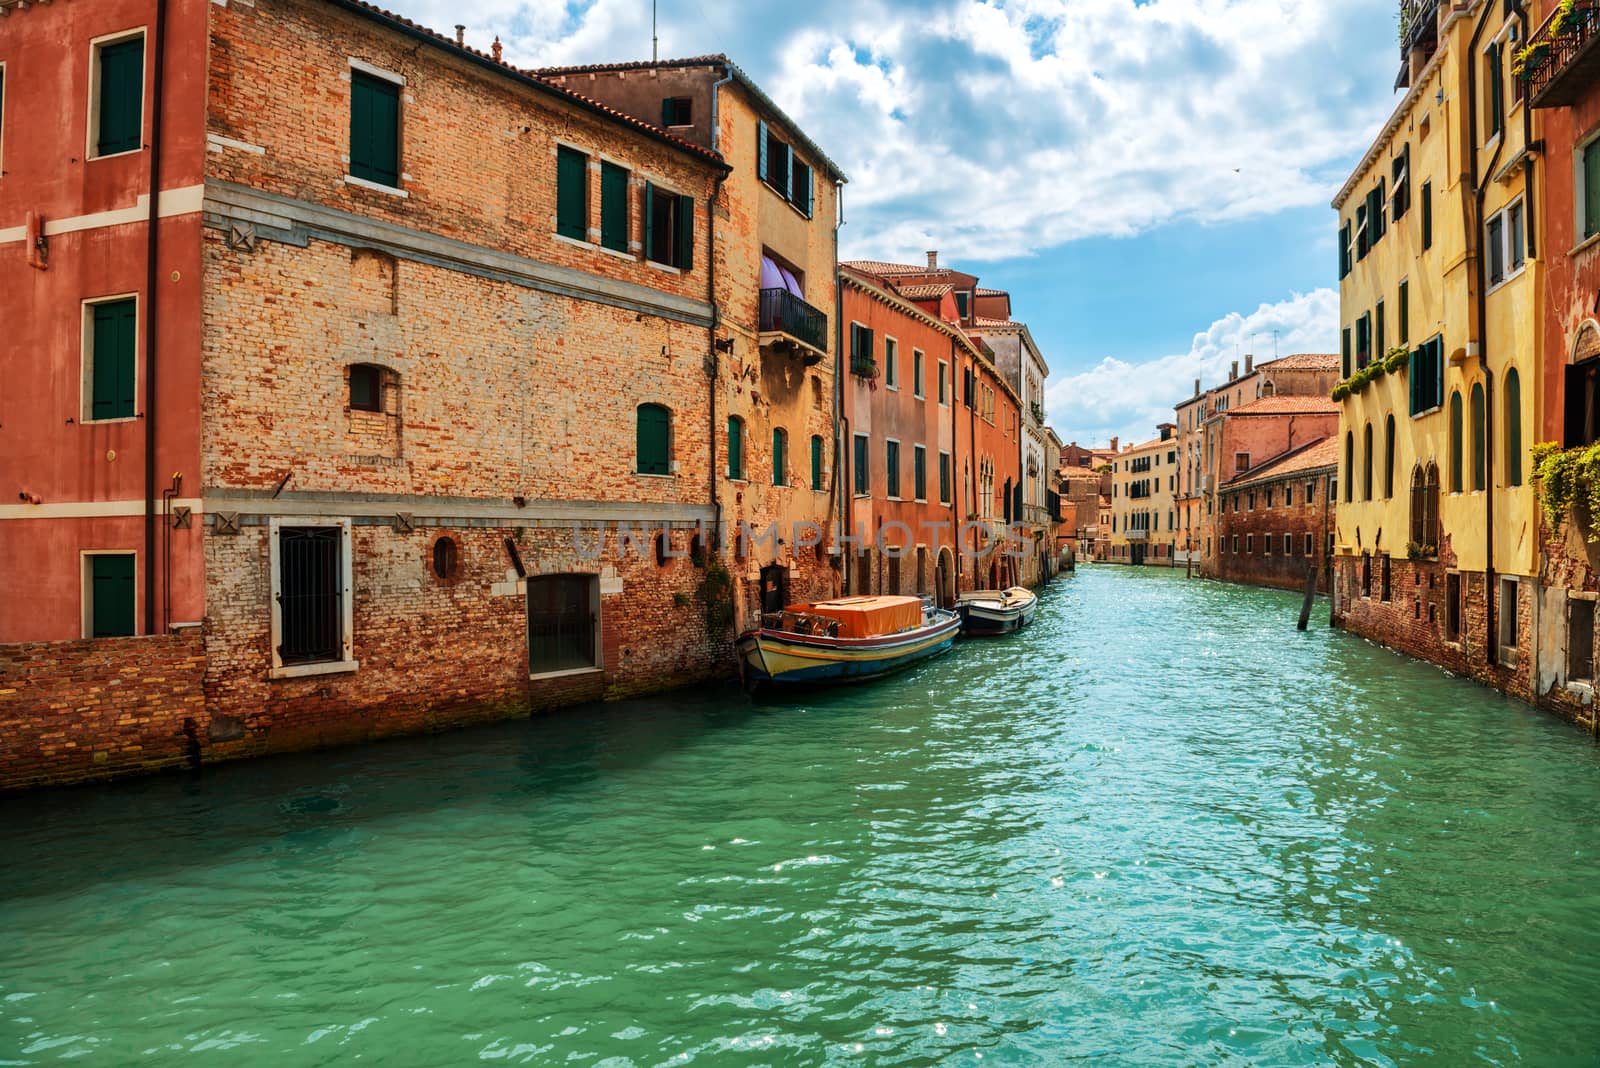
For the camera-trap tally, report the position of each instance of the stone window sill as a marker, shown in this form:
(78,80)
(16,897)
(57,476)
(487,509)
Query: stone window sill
(326,667)
(376,187)
(570,673)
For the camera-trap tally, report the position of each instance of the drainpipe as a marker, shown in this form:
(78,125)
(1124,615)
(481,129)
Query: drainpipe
(841,423)
(955,507)
(1475,239)
(711,354)
(152,272)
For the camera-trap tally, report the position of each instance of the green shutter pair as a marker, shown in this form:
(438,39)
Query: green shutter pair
(374,129)
(680,252)
(735,448)
(919,473)
(816,462)
(572,194)
(891,456)
(613,207)
(121,115)
(863,480)
(111,594)
(779,440)
(653,440)
(114,359)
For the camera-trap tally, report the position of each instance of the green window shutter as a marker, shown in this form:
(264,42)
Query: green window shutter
(891,456)
(650,222)
(805,189)
(374,129)
(613,207)
(761,150)
(1591,190)
(919,473)
(684,260)
(112,595)
(666,112)
(944,479)
(735,449)
(115,350)
(816,462)
(121,97)
(788,173)
(652,440)
(863,476)
(572,194)
(777,457)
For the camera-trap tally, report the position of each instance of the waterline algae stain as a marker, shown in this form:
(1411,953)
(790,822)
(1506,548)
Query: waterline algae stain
(1158,827)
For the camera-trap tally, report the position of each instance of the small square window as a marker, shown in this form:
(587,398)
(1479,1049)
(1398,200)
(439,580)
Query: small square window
(677,111)
(366,388)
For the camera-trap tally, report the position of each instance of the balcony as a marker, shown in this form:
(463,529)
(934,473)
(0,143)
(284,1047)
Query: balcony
(1419,37)
(1035,515)
(789,323)
(1561,60)
(1136,535)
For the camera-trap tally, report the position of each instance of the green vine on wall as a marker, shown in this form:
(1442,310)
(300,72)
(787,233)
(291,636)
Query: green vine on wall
(716,591)
(1569,480)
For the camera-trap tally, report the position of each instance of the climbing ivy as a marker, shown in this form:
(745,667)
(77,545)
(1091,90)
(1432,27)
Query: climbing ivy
(716,591)
(1569,481)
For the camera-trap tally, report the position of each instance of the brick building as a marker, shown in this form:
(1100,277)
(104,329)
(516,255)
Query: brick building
(775,300)
(400,502)
(1275,521)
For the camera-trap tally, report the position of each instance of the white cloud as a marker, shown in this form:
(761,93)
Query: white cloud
(1128,400)
(995,128)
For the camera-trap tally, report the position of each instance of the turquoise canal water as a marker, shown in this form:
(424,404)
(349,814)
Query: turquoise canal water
(1159,828)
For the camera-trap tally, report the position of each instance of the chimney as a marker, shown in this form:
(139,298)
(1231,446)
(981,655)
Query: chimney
(933,261)
(461,34)
(1233,372)
(1249,363)
(1113,444)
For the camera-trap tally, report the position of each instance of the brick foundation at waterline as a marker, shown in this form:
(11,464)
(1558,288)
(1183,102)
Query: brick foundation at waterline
(399,363)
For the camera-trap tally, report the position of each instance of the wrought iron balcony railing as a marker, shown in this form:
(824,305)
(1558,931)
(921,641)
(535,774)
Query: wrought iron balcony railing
(1561,58)
(784,313)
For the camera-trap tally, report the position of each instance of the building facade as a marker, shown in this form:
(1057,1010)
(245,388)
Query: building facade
(1144,522)
(1275,521)
(1440,297)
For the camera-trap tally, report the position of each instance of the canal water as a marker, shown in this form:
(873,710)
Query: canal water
(1161,827)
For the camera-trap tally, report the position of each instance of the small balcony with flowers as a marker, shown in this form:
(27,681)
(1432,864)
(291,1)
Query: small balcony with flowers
(787,323)
(1561,60)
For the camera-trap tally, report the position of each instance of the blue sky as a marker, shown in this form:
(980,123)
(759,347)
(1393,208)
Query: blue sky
(1149,180)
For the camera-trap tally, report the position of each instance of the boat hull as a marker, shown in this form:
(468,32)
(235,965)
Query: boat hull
(782,658)
(988,618)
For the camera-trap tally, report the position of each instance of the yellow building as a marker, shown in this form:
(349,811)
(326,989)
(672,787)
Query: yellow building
(1144,489)
(1440,286)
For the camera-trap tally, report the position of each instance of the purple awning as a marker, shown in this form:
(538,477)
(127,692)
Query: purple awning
(774,276)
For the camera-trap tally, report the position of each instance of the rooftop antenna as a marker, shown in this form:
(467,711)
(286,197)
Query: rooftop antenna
(1274,344)
(655,52)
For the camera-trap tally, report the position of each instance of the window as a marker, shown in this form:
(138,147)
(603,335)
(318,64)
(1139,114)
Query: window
(1388,458)
(735,448)
(1457,476)
(1582,402)
(1345,367)
(963,303)
(781,169)
(816,462)
(1249,544)
(311,609)
(572,193)
(677,111)
(1241,461)
(563,615)
(1588,189)
(1507,617)
(891,362)
(1288,545)
(891,463)
(944,382)
(1505,241)
(862,360)
(613,207)
(916,373)
(862,460)
(1580,640)
(375,128)
(1310,547)
(944,478)
(1349,466)
(110,595)
(654,440)
(1427,215)
(1513,389)
(1400,198)
(1427,376)
(968,387)
(1387,593)
(1288,496)
(1364,340)
(1344,251)
(1234,546)
(919,472)
(112,346)
(1452,607)
(668,228)
(1378,351)
(1494,90)
(1402,325)
(780,449)
(1366,463)
(117,110)
(446,558)
(1480,454)
(366,388)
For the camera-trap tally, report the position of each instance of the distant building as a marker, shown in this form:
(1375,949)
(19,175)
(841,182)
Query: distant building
(1143,512)
(1275,521)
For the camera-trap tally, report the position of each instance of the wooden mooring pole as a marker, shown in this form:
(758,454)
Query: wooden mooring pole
(1311,596)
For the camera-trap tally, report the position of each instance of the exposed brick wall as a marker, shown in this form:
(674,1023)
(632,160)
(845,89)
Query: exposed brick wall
(1260,559)
(75,711)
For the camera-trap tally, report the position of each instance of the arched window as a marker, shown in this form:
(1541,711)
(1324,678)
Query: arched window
(1513,428)
(654,436)
(1388,459)
(780,449)
(1480,455)
(1430,513)
(1456,480)
(1419,507)
(446,557)
(1349,466)
(1366,463)
(735,447)
(816,461)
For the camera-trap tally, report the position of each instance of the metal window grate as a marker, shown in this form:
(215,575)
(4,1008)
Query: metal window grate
(561,623)
(310,594)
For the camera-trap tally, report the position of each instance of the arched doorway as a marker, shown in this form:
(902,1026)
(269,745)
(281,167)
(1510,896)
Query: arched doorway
(945,577)
(774,588)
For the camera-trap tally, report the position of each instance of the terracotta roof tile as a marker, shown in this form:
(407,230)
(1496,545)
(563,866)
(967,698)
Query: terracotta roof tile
(925,292)
(1286,405)
(887,270)
(1304,361)
(1324,452)
(991,292)
(981,321)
